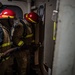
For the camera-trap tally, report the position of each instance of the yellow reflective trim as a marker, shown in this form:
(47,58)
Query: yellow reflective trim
(33,41)
(54,38)
(20,43)
(6,44)
(30,19)
(54,25)
(6,16)
(1,54)
(3,60)
(6,59)
(54,31)
(28,36)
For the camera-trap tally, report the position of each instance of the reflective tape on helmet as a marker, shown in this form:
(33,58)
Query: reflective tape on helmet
(7,16)
(28,36)
(20,43)
(30,19)
(6,44)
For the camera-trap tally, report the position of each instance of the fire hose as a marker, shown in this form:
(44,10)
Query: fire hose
(12,50)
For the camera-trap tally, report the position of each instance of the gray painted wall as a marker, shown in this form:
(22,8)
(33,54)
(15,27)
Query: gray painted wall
(64,58)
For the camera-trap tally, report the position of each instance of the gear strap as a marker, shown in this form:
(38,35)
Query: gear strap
(25,28)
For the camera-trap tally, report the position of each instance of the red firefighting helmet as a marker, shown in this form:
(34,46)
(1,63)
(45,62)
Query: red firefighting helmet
(7,13)
(32,17)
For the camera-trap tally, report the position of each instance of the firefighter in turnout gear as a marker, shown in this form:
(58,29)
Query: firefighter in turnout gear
(23,37)
(6,22)
(33,19)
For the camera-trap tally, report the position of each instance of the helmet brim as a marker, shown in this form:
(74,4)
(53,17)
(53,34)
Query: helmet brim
(1,17)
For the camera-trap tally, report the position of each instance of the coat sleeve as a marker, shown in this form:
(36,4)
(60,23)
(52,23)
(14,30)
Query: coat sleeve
(1,35)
